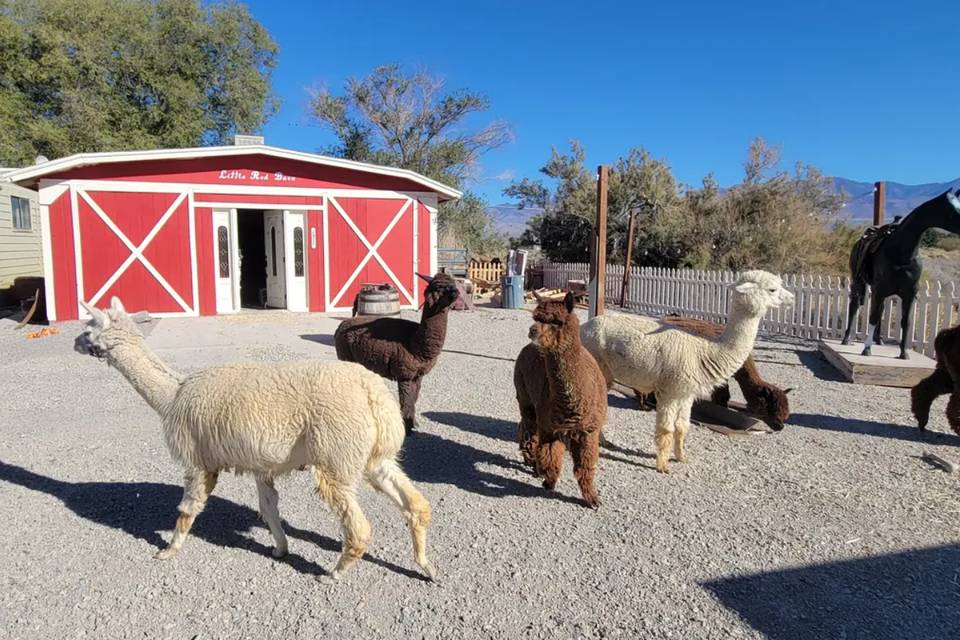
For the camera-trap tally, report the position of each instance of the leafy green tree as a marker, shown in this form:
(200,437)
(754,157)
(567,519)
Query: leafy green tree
(95,75)
(637,182)
(408,120)
(773,219)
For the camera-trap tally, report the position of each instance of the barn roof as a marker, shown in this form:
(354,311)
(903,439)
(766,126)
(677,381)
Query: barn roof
(60,165)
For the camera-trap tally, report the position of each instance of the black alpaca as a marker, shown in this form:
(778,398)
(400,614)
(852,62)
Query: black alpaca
(888,260)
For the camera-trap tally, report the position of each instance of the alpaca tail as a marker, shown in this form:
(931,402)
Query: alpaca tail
(386,419)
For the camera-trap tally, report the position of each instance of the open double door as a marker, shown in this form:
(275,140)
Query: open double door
(284,257)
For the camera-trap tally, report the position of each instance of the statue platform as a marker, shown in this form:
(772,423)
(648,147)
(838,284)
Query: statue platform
(883,367)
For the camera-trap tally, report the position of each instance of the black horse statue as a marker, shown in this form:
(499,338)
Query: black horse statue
(887,258)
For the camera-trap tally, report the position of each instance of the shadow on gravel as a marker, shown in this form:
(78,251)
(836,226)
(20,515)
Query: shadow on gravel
(913,594)
(143,509)
(321,338)
(819,366)
(434,460)
(909,433)
(481,425)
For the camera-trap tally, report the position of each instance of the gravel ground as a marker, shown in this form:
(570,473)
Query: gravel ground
(832,528)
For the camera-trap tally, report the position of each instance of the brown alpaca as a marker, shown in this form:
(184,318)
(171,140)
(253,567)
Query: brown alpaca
(943,380)
(399,349)
(562,397)
(765,401)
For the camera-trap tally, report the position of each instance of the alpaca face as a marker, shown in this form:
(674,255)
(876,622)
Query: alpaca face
(441,292)
(105,329)
(549,320)
(757,291)
(772,407)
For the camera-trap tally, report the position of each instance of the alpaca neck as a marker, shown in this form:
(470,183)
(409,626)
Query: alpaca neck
(154,381)
(559,360)
(430,335)
(730,350)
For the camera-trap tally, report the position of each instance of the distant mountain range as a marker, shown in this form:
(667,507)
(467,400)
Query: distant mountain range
(901,200)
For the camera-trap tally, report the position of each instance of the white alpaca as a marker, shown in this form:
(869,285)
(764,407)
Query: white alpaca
(678,366)
(266,420)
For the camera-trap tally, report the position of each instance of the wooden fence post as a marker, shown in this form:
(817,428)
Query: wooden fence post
(631,228)
(598,249)
(879,202)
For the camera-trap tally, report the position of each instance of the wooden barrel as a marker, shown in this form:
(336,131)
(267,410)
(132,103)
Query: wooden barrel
(377,300)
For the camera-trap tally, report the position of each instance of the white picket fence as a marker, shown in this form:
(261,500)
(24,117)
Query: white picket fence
(820,308)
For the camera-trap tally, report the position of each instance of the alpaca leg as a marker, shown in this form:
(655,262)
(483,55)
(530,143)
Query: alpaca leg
(667,412)
(527,435)
(389,478)
(683,425)
(197,486)
(550,462)
(409,391)
(356,528)
(647,401)
(585,450)
(953,412)
(721,395)
(926,391)
(269,501)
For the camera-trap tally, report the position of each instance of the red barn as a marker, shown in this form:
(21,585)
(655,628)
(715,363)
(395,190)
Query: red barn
(188,232)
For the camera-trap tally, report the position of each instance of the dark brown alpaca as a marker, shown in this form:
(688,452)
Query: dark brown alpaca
(399,349)
(563,398)
(943,380)
(765,401)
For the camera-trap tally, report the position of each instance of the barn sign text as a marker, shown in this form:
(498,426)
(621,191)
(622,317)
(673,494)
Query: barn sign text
(254,176)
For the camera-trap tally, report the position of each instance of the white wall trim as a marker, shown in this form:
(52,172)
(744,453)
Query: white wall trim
(416,264)
(75,215)
(193,253)
(46,247)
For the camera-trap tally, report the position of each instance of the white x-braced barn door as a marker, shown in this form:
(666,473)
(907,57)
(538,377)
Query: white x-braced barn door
(136,246)
(369,241)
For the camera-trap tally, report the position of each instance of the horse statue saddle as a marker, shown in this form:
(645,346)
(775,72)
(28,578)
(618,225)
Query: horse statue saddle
(870,242)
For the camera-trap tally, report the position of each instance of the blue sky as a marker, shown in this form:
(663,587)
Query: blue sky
(864,90)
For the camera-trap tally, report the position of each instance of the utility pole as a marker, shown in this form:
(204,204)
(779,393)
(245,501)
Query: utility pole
(631,228)
(879,201)
(598,249)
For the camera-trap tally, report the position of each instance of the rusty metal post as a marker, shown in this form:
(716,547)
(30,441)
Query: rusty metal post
(879,202)
(631,228)
(598,253)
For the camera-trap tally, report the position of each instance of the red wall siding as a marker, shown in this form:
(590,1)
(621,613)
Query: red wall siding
(206,286)
(243,170)
(64,259)
(315,284)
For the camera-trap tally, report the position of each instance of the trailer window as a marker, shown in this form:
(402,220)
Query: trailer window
(20,209)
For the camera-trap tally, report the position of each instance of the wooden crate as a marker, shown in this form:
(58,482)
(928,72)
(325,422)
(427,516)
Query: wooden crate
(883,368)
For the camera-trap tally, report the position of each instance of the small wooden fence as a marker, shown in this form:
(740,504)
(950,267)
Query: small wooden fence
(489,271)
(820,308)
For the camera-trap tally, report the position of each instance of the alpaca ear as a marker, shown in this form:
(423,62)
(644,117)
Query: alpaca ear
(568,301)
(745,287)
(787,391)
(141,317)
(116,305)
(426,279)
(99,317)
(537,296)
